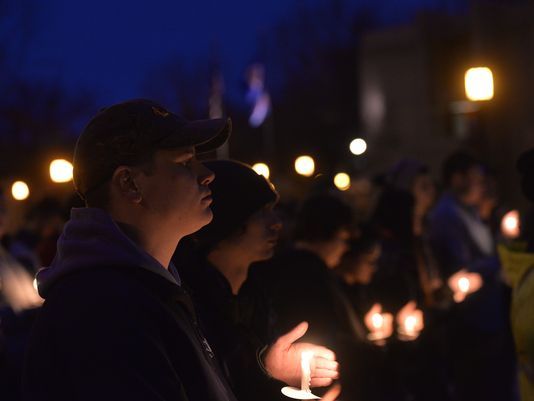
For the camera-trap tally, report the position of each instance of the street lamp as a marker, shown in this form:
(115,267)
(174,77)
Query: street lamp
(479,84)
(20,190)
(305,165)
(262,169)
(60,171)
(342,181)
(358,146)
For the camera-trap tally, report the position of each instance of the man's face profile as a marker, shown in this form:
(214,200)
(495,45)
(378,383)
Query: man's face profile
(175,189)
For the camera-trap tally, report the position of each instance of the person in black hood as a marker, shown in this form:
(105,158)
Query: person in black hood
(116,324)
(215,263)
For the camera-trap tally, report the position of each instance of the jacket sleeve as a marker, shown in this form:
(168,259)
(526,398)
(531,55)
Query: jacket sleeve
(453,248)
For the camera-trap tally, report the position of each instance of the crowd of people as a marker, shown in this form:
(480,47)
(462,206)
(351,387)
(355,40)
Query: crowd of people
(169,284)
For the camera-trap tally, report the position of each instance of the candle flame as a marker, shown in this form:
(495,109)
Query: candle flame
(511,222)
(377,320)
(409,323)
(464,284)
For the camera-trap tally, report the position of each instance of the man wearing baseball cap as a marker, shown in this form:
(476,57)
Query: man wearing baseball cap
(116,324)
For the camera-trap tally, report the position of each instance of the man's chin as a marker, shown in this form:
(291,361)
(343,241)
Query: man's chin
(203,220)
(268,254)
(207,217)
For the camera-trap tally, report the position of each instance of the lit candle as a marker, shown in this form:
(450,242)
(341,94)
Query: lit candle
(409,325)
(378,321)
(510,224)
(305,363)
(304,392)
(463,285)
(410,321)
(380,324)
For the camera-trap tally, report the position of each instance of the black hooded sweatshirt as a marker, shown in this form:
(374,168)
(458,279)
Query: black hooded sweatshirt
(115,325)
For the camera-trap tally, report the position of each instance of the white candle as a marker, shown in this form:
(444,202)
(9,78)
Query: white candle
(305,363)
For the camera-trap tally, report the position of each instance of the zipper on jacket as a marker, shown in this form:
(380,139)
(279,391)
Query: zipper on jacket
(203,340)
(192,315)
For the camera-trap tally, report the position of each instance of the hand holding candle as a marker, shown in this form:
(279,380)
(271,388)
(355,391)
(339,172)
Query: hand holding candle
(305,363)
(510,226)
(304,392)
(463,283)
(410,321)
(379,324)
(283,360)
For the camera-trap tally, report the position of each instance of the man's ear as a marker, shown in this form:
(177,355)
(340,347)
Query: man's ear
(123,181)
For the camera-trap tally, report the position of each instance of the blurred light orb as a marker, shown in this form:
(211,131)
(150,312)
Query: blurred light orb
(262,169)
(342,181)
(60,171)
(410,322)
(358,146)
(510,224)
(479,84)
(20,190)
(464,284)
(377,320)
(305,165)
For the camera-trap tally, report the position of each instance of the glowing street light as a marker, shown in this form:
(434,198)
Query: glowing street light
(479,84)
(358,146)
(20,190)
(262,169)
(342,181)
(305,165)
(60,171)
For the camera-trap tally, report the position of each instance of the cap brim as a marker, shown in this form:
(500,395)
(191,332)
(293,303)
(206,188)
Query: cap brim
(208,135)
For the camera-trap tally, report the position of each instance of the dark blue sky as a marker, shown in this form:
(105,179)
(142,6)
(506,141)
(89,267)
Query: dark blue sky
(110,46)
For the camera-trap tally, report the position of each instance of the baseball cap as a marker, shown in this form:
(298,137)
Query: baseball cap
(128,133)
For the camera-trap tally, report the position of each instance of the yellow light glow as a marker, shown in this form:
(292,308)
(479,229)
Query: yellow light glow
(358,146)
(262,169)
(342,181)
(61,171)
(479,84)
(20,190)
(305,165)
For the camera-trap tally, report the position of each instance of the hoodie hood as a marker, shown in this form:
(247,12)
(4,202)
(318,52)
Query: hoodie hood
(92,239)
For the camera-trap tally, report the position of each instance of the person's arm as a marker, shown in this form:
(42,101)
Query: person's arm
(452,247)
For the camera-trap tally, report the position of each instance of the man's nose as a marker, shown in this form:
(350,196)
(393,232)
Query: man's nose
(206,176)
